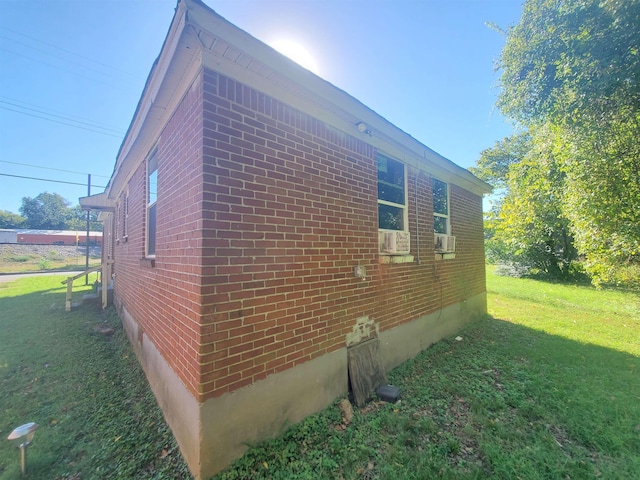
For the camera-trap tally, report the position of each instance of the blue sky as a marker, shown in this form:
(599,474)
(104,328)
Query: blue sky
(72,71)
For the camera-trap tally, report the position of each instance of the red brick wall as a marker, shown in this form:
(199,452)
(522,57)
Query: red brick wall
(263,213)
(290,208)
(165,298)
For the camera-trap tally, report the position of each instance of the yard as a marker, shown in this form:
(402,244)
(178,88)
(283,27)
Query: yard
(18,258)
(547,387)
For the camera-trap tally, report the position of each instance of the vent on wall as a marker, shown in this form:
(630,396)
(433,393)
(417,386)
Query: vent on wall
(445,244)
(394,242)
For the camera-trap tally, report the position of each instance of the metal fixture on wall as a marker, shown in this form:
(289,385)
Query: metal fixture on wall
(363,128)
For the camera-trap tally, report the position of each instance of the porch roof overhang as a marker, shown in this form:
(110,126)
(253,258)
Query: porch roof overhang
(100,202)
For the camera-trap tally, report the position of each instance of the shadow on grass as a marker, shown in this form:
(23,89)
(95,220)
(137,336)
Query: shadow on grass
(75,375)
(505,402)
(539,405)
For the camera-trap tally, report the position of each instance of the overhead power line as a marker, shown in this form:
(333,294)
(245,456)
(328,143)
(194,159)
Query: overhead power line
(62,123)
(50,180)
(72,72)
(92,60)
(43,111)
(55,169)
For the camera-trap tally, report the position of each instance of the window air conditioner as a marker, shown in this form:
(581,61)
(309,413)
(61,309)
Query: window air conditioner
(445,244)
(395,243)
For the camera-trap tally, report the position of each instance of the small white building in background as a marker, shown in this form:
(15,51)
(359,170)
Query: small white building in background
(8,236)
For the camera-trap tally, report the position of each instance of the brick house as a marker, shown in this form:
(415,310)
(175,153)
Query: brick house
(259,222)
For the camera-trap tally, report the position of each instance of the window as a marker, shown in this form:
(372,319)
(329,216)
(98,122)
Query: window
(125,216)
(109,226)
(152,197)
(392,194)
(440,207)
(117,232)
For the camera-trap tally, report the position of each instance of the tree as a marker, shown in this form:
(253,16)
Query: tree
(10,220)
(572,67)
(47,211)
(494,163)
(78,220)
(528,228)
(567,60)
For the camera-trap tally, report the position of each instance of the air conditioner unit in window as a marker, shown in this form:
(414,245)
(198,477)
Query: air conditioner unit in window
(394,243)
(445,243)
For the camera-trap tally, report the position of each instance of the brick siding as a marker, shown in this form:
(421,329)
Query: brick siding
(165,298)
(263,213)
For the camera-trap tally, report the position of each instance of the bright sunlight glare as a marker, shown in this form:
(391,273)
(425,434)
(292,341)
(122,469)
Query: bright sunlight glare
(297,53)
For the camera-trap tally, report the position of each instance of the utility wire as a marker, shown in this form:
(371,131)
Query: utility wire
(90,124)
(63,50)
(58,113)
(61,58)
(75,74)
(61,123)
(49,180)
(56,169)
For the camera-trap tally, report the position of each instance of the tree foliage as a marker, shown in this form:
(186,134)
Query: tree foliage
(528,226)
(46,211)
(567,60)
(10,220)
(494,163)
(50,211)
(570,74)
(79,220)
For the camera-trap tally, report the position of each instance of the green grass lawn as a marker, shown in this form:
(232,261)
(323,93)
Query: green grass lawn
(546,387)
(82,384)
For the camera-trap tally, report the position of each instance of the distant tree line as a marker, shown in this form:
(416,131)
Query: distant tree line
(49,211)
(569,179)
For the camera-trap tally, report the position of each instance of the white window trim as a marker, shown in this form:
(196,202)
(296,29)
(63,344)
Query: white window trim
(448,216)
(117,232)
(125,215)
(405,207)
(148,205)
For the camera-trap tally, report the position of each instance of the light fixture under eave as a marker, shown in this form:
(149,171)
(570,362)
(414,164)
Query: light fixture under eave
(363,128)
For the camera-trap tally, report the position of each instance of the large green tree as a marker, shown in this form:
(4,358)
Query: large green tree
(46,211)
(528,227)
(50,211)
(572,68)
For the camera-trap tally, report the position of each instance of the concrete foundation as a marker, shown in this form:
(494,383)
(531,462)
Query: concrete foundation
(213,434)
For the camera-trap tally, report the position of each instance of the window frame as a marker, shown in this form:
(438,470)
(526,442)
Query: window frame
(446,216)
(117,226)
(404,207)
(151,206)
(125,216)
